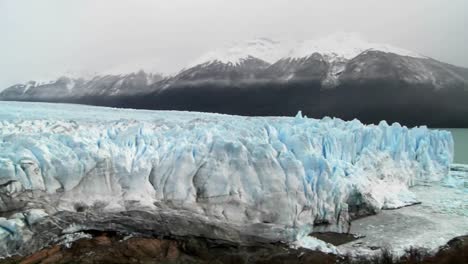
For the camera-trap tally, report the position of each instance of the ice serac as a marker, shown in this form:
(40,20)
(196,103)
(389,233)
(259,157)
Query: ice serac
(281,173)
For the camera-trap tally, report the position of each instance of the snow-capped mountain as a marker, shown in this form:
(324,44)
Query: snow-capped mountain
(339,75)
(100,85)
(335,46)
(344,46)
(323,59)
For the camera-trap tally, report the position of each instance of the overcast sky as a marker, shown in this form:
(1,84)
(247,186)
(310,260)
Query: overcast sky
(43,39)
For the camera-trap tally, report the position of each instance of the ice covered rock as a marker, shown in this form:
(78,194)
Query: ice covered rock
(292,172)
(14,231)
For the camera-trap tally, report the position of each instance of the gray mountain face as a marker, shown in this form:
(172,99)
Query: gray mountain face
(370,65)
(247,69)
(314,67)
(66,88)
(331,72)
(372,86)
(374,65)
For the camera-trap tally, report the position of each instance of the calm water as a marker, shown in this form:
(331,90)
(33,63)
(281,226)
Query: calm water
(460,136)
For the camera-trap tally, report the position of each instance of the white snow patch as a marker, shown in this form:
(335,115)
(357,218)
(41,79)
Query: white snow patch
(28,86)
(35,215)
(313,243)
(70,85)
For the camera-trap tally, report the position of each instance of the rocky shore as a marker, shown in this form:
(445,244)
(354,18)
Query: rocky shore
(110,247)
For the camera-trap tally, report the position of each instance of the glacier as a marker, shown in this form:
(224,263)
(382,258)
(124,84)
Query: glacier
(275,178)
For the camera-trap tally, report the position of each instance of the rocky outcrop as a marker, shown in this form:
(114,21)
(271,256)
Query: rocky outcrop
(109,247)
(105,247)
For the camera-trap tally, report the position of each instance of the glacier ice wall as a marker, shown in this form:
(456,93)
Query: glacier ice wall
(297,172)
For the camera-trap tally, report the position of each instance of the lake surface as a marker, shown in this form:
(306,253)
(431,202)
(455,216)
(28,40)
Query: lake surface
(460,136)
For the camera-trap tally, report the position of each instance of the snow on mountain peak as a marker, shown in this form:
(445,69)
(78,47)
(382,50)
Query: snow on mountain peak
(261,48)
(338,45)
(344,45)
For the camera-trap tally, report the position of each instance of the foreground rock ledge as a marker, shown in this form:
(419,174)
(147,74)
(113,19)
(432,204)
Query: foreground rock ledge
(109,247)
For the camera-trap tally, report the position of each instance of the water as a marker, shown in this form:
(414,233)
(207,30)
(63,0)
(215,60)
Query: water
(441,216)
(460,136)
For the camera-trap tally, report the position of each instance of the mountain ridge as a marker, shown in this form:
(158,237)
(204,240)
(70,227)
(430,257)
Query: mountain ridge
(363,80)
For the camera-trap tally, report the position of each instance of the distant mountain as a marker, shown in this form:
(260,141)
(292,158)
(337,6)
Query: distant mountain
(248,68)
(340,75)
(65,88)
